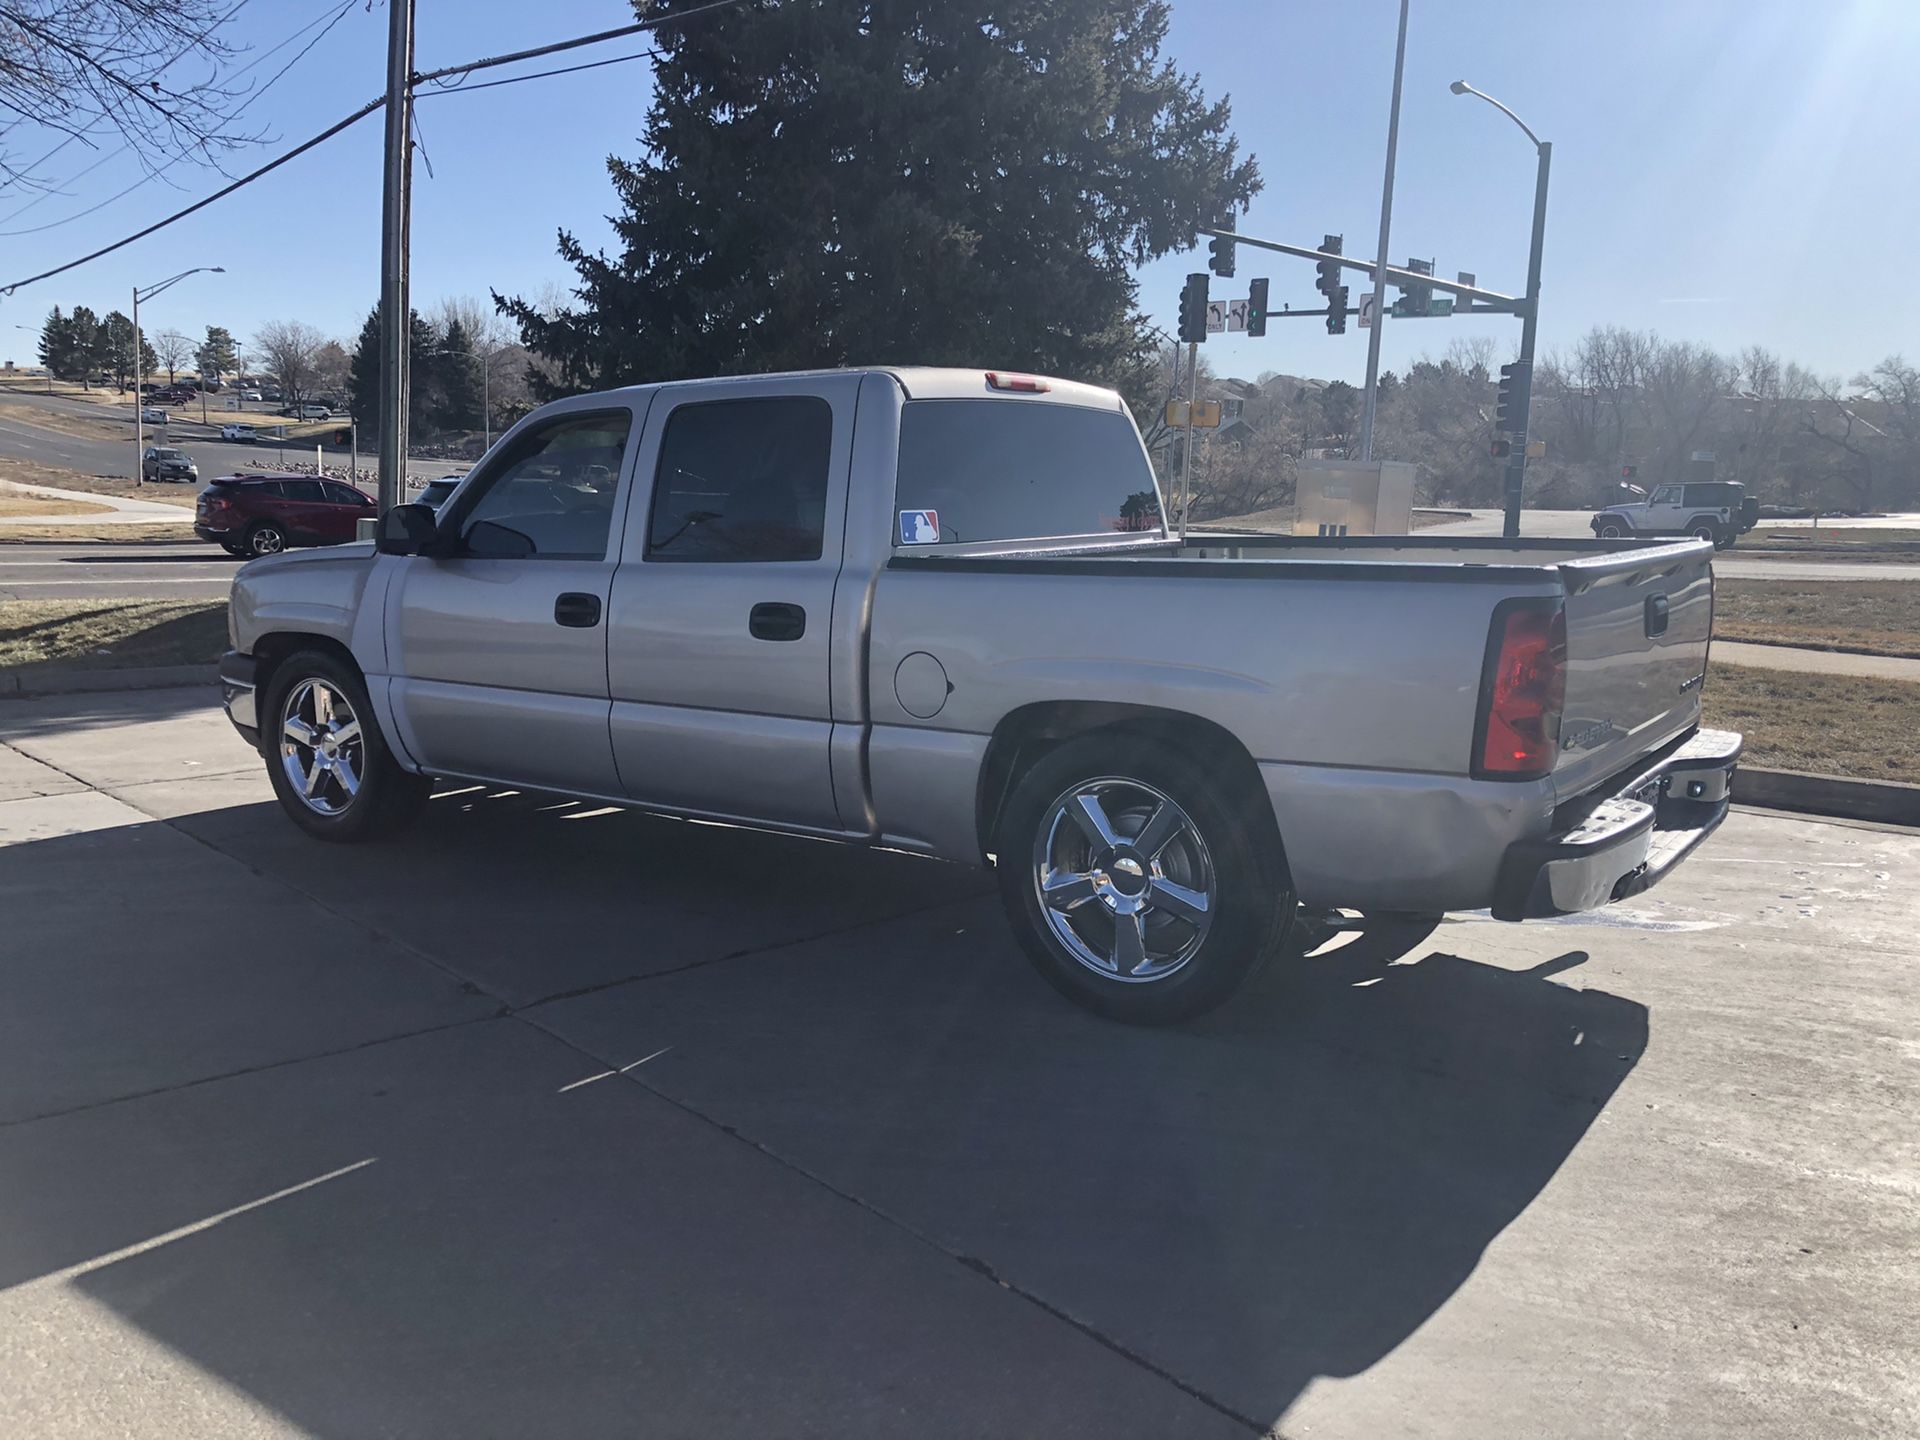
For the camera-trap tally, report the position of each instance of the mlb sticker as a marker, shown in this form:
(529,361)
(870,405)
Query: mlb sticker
(919,527)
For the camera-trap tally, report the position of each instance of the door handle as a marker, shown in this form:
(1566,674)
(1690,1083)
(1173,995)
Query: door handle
(775,620)
(1656,616)
(577,610)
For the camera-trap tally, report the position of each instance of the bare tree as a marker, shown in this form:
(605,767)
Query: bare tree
(81,67)
(172,349)
(289,350)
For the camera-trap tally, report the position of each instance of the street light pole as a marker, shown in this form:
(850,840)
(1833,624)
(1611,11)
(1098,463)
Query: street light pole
(1370,398)
(1530,315)
(396,202)
(139,367)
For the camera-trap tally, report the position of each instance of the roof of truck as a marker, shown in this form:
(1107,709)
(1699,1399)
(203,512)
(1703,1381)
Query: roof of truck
(925,382)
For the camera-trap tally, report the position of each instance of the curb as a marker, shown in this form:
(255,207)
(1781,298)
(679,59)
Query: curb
(59,681)
(1887,801)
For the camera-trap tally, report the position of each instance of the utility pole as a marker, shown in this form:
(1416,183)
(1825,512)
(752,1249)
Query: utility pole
(1529,324)
(396,205)
(139,403)
(1380,264)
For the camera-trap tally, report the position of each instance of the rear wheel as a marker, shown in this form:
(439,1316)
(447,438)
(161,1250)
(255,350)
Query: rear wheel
(1139,885)
(329,764)
(265,538)
(1701,530)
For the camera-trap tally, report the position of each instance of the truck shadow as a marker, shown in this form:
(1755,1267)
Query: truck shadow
(1283,1191)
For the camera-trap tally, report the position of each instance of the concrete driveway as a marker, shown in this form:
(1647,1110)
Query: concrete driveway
(548,1120)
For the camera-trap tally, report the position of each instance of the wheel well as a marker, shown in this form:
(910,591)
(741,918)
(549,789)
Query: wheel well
(270,649)
(1028,733)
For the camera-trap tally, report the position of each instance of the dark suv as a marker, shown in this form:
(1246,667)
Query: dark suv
(264,514)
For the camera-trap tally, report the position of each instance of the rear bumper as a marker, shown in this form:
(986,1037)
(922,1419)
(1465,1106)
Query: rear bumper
(1624,838)
(237,674)
(207,532)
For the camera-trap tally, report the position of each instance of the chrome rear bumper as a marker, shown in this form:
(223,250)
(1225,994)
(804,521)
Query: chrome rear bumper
(1624,838)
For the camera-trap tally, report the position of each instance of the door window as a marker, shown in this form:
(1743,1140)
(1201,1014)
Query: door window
(550,493)
(743,480)
(339,494)
(1666,495)
(308,492)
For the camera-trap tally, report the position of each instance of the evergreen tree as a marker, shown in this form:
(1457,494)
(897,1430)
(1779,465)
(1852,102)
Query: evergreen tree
(217,355)
(116,349)
(89,344)
(962,183)
(458,380)
(363,372)
(57,350)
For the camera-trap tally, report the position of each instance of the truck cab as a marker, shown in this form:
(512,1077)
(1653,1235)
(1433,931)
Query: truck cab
(1716,510)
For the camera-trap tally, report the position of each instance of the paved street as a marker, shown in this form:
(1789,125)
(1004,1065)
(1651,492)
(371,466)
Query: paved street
(547,1119)
(1577,524)
(183,570)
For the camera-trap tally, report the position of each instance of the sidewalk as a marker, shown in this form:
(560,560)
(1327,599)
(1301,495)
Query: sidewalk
(1814,662)
(121,510)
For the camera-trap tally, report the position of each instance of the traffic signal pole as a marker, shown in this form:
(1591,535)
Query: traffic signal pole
(1380,264)
(1186,451)
(1529,324)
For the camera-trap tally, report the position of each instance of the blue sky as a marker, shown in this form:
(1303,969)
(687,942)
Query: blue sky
(1710,156)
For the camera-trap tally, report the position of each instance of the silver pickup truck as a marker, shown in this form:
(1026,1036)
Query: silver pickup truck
(938,610)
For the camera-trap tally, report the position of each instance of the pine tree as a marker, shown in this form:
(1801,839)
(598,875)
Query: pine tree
(89,348)
(217,355)
(458,375)
(961,183)
(57,350)
(363,372)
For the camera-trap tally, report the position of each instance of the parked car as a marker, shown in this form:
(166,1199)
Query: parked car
(435,493)
(912,608)
(265,514)
(241,434)
(253,395)
(315,412)
(163,462)
(153,415)
(269,393)
(1716,510)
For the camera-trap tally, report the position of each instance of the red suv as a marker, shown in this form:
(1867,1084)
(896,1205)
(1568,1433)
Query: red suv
(264,514)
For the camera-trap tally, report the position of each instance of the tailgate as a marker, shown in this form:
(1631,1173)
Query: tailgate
(1638,623)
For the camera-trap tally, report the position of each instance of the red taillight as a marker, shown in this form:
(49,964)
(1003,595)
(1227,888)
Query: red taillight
(1522,692)
(1030,384)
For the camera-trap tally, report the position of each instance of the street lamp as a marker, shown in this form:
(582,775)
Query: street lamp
(139,370)
(1529,316)
(47,368)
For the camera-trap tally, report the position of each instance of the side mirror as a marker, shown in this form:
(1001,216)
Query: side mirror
(407,530)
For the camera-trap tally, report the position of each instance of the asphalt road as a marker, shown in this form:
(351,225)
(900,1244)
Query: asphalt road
(1577,524)
(546,1119)
(23,439)
(186,571)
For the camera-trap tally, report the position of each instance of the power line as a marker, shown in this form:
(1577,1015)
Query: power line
(542,74)
(361,114)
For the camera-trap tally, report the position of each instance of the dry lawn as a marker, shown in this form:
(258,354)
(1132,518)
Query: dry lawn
(1874,617)
(29,472)
(1862,546)
(13,502)
(110,634)
(83,533)
(1825,724)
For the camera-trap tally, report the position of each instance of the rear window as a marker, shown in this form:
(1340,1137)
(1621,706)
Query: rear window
(1020,470)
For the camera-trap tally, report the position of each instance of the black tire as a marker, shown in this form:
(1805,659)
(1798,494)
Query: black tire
(386,798)
(1704,530)
(265,538)
(1724,540)
(1610,530)
(1224,842)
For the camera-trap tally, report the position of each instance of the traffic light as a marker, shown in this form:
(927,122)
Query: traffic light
(1193,310)
(1256,307)
(1501,448)
(1628,472)
(1329,269)
(1415,299)
(1220,256)
(1337,310)
(1510,415)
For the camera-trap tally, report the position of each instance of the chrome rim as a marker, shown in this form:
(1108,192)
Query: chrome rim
(268,541)
(1124,879)
(321,748)
(1610,532)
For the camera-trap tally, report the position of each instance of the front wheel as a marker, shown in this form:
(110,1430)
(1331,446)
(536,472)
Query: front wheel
(1140,885)
(331,769)
(1610,530)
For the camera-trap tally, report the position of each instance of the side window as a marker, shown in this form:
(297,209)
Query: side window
(1666,495)
(310,492)
(339,494)
(743,480)
(550,493)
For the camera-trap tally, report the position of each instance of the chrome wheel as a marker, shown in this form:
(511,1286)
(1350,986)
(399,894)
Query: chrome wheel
(1124,879)
(1611,531)
(266,541)
(321,749)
